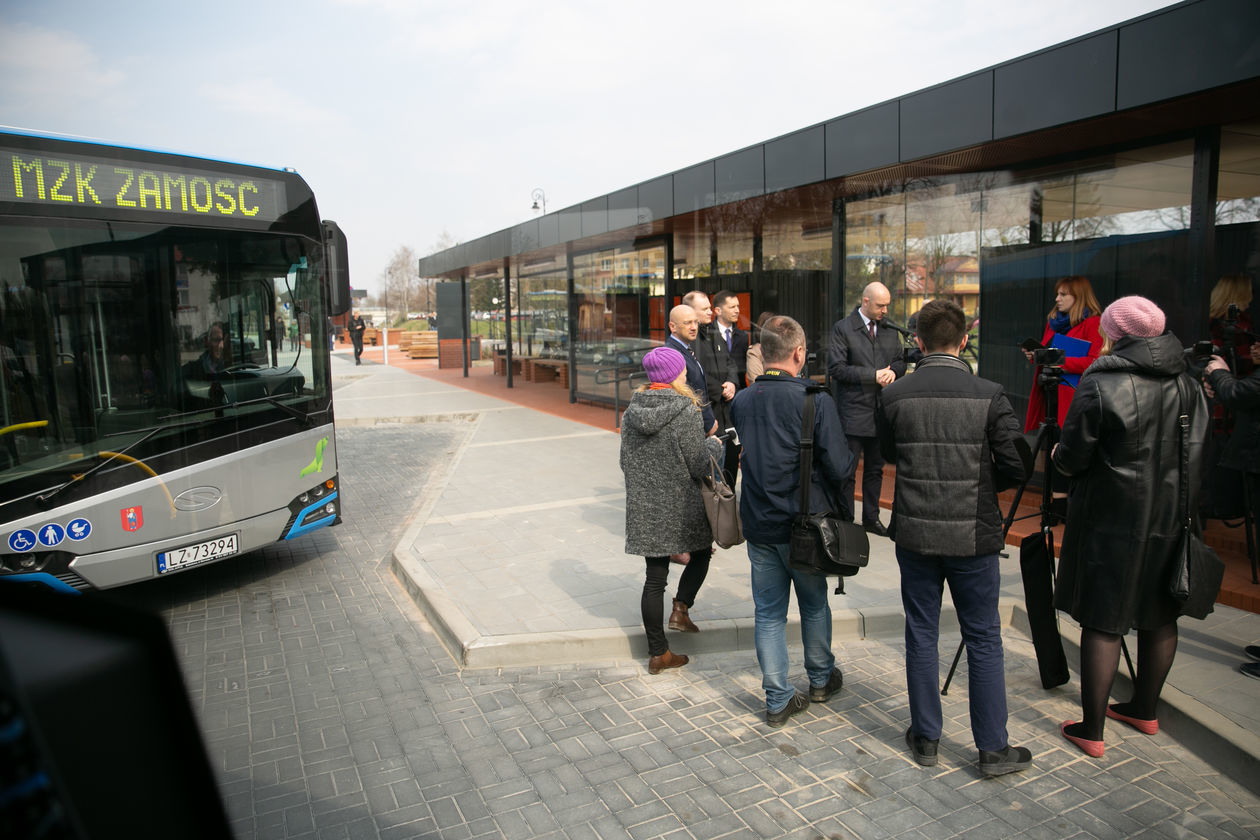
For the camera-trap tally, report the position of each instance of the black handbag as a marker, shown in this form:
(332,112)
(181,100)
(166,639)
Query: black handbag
(822,543)
(1198,570)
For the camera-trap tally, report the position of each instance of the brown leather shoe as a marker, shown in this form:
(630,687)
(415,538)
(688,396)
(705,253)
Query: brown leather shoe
(679,620)
(668,659)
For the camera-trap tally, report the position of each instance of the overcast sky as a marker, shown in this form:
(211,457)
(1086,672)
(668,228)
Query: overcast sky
(411,118)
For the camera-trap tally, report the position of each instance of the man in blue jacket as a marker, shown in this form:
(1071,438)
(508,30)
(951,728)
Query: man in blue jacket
(956,443)
(768,416)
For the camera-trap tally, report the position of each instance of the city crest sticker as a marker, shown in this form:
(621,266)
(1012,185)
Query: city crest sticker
(132,518)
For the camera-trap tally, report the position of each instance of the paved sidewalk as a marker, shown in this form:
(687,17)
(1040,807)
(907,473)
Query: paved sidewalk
(515,555)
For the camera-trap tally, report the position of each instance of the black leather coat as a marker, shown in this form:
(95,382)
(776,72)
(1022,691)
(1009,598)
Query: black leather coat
(1121,446)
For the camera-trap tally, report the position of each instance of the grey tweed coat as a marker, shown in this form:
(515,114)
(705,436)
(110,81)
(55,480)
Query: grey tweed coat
(663,456)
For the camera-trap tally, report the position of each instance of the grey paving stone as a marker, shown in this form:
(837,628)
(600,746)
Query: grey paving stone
(330,709)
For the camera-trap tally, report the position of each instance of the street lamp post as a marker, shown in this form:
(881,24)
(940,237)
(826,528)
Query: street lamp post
(539,197)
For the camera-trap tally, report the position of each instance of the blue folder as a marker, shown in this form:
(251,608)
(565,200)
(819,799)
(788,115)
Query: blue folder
(1074,348)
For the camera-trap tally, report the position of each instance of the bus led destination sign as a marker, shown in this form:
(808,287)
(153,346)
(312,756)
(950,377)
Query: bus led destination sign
(125,186)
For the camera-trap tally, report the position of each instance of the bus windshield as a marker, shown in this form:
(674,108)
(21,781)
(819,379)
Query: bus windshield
(142,339)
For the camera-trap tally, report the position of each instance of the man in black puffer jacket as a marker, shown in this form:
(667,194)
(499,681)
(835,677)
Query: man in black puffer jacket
(956,443)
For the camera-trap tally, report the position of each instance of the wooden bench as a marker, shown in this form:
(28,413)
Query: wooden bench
(422,345)
(546,370)
(500,364)
(370,336)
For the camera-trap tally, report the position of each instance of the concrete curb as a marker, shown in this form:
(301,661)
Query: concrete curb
(1225,745)
(470,649)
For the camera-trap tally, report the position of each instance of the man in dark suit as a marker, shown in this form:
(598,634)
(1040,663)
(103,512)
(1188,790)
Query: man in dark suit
(862,358)
(684,326)
(727,334)
(719,370)
(726,314)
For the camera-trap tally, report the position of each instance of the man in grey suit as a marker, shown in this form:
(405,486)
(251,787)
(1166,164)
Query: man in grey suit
(862,358)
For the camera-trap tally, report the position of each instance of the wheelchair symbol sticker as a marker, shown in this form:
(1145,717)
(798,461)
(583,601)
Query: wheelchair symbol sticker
(78,529)
(22,540)
(51,534)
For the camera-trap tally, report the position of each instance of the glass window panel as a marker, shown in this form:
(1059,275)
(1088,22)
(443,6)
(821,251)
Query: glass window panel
(620,296)
(1238,184)
(1140,191)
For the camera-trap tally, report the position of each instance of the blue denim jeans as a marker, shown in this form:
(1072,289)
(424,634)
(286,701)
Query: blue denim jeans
(772,582)
(973,584)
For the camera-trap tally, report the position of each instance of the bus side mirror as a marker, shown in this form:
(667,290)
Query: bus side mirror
(337,262)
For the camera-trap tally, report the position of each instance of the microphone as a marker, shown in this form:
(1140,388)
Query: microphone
(896,327)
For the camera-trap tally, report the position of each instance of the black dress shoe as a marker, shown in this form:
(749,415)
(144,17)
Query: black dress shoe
(795,706)
(924,749)
(1006,760)
(875,528)
(822,693)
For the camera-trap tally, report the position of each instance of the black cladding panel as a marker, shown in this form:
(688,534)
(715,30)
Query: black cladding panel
(1187,49)
(865,140)
(656,197)
(570,224)
(797,159)
(740,175)
(595,216)
(694,188)
(947,117)
(623,209)
(1073,82)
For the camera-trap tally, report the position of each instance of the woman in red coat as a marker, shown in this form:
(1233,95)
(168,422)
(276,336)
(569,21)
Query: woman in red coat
(1075,314)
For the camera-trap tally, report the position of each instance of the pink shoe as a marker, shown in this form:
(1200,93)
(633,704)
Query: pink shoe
(1093,749)
(1146,727)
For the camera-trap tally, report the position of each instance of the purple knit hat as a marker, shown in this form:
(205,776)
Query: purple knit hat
(1133,315)
(663,364)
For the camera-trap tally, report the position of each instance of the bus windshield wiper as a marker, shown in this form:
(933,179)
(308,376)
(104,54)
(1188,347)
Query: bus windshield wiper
(297,414)
(45,499)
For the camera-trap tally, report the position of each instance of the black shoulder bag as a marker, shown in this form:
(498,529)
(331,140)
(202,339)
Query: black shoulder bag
(1198,570)
(823,544)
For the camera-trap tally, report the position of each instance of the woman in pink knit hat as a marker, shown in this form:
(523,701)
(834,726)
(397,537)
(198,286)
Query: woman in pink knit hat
(1121,447)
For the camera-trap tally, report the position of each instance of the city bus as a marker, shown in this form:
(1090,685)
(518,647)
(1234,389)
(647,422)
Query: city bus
(166,399)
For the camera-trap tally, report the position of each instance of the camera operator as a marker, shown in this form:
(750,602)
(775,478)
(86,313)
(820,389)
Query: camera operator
(1075,314)
(1230,320)
(1241,395)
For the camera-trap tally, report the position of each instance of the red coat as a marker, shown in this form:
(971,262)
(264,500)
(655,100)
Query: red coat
(1086,330)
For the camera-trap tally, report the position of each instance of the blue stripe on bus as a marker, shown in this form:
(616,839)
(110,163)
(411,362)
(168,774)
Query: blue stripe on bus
(301,526)
(43,577)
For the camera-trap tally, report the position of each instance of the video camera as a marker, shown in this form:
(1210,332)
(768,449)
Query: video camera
(1049,359)
(1199,354)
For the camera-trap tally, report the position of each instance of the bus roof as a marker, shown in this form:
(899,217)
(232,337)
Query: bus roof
(76,138)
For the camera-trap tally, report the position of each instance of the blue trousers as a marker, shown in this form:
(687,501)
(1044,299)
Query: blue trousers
(973,584)
(772,583)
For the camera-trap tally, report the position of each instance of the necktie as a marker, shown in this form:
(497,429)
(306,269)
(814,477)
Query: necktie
(728,338)
(872,329)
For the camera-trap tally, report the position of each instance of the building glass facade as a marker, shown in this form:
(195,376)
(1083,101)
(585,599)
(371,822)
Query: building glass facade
(1142,179)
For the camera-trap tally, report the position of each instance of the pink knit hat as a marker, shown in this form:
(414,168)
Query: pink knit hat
(663,364)
(1133,315)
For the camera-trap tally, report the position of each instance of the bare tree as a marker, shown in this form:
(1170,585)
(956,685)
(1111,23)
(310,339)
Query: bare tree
(401,283)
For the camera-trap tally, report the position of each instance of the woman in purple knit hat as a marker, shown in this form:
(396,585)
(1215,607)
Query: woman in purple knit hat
(664,454)
(1121,447)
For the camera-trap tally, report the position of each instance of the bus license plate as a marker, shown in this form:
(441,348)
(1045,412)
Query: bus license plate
(202,552)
